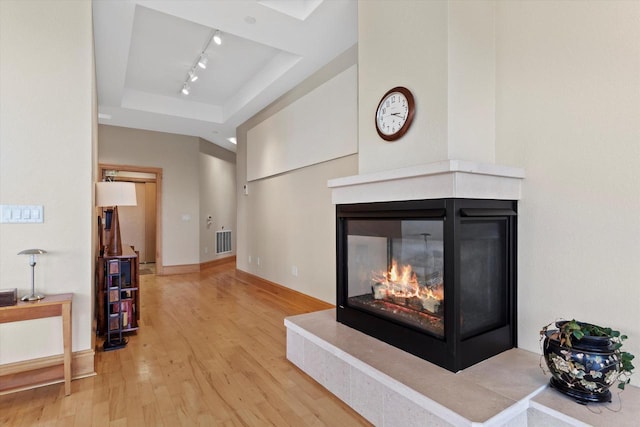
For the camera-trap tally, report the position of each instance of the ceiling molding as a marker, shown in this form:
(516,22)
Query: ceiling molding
(144,50)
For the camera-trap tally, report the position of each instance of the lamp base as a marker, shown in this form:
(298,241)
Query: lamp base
(114,245)
(32,297)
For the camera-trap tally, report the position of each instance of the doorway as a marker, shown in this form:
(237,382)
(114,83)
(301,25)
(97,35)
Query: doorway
(141,225)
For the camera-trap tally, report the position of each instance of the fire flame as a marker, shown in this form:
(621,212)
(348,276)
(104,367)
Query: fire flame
(403,283)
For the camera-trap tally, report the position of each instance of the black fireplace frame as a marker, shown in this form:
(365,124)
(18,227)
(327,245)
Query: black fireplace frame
(452,352)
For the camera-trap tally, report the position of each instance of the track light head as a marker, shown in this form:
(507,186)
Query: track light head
(202,62)
(217,37)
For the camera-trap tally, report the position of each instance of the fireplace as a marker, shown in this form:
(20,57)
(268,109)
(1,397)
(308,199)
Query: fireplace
(435,277)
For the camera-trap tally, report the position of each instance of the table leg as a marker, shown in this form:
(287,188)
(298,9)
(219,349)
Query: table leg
(66,338)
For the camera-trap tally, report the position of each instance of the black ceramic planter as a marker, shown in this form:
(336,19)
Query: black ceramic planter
(584,371)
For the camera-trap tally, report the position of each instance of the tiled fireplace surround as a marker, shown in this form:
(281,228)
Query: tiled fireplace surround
(390,387)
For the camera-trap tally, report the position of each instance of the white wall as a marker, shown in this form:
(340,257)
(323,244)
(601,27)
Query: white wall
(46,158)
(177,155)
(288,220)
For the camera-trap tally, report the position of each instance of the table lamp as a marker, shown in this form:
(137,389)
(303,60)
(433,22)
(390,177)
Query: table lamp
(32,262)
(111,194)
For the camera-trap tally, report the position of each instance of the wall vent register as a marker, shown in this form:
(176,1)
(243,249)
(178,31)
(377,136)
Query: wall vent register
(223,241)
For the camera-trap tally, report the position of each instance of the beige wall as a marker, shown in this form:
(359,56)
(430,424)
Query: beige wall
(189,187)
(567,110)
(402,43)
(291,227)
(217,171)
(177,156)
(444,53)
(287,221)
(320,126)
(46,158)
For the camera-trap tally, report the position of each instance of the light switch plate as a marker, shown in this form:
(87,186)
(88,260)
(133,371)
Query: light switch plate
(21,214)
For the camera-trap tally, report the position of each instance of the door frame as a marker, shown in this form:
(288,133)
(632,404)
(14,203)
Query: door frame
(102,167)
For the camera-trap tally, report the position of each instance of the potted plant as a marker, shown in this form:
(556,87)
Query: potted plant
(585,360)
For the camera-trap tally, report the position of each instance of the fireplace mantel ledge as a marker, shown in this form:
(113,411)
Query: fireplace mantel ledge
(444,179)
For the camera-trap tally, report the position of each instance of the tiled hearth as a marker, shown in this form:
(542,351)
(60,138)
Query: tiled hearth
(390,387)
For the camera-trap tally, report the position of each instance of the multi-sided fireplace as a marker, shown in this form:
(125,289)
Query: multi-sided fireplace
(436,278)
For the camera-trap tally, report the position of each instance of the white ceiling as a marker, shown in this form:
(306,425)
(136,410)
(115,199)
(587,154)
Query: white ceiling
(145,49)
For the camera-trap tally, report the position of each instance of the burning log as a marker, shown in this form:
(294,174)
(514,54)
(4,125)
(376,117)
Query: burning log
(424,300)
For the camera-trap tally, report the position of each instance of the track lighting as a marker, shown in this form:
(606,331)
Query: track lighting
(217,37)
(202,62)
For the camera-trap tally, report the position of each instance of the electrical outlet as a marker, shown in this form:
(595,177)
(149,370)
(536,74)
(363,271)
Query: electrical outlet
(249,259)
(258,260)
(294,270)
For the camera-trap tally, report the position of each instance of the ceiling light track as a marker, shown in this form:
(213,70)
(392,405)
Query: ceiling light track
(201,61)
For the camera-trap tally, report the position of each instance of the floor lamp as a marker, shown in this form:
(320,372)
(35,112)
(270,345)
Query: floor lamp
(111,194)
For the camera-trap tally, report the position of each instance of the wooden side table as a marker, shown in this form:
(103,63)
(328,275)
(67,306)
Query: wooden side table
(50,306)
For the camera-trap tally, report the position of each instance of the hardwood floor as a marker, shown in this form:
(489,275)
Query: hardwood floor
(210,352)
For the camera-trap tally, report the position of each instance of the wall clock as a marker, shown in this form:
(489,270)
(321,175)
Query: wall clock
(395,113)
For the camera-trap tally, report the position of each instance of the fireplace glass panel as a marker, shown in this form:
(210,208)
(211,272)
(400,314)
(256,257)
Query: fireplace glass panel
(396,271)
(483,281)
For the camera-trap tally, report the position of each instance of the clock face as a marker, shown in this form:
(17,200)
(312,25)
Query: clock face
(395,113)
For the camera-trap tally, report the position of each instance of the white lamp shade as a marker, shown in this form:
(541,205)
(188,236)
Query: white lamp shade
(115,194)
